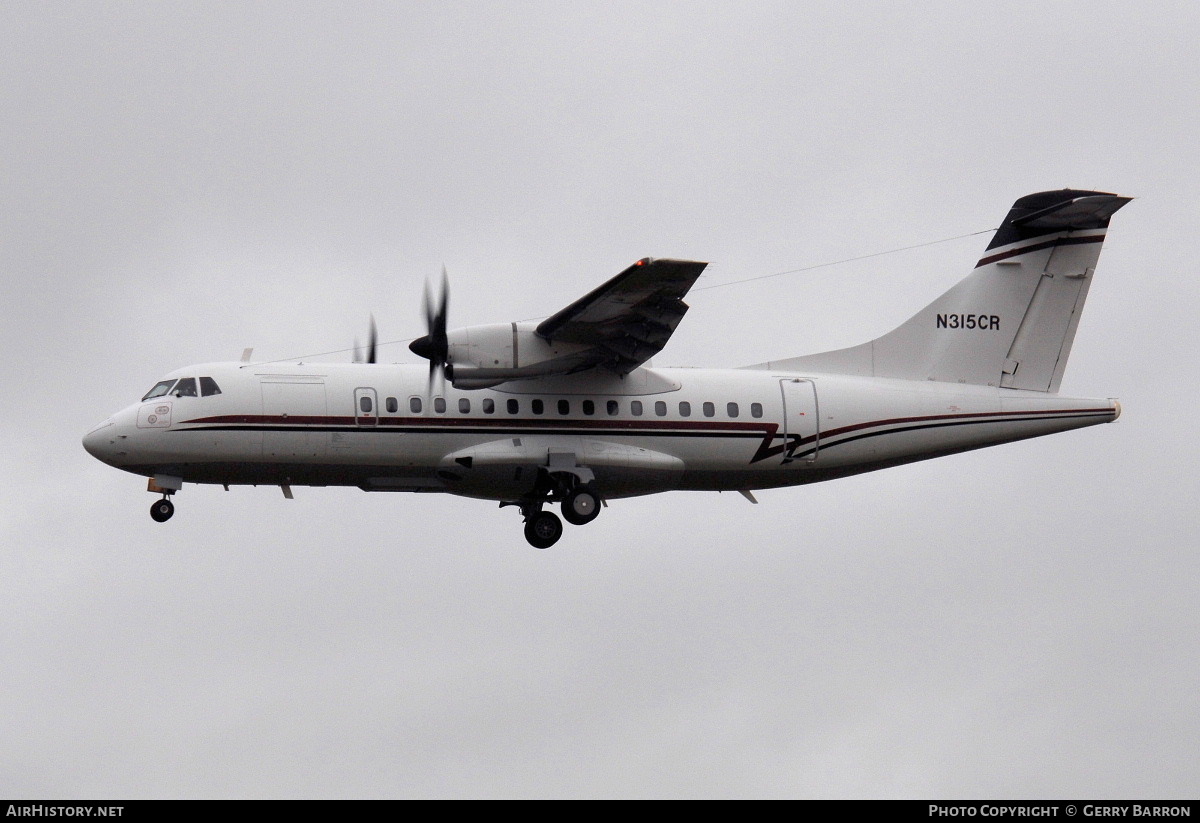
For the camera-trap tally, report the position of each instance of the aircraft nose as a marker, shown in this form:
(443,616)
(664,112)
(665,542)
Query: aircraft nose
(99,442)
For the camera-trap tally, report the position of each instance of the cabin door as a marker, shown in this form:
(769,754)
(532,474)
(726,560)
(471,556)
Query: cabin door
(801,426)
(366,407)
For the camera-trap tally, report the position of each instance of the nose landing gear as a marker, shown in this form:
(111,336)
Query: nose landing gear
(166,485)
(162,510)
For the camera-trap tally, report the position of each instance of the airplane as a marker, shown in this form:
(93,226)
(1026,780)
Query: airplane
(568,410)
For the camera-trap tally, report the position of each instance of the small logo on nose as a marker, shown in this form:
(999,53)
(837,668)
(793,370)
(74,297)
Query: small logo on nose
(156,416)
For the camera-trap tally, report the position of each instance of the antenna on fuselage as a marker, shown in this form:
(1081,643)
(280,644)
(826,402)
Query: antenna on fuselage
(246,354)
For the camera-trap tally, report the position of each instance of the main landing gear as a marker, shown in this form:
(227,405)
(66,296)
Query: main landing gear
(580,505)
(542,529)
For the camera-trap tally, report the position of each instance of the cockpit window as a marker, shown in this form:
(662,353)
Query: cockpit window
(159,389)
(186,387)
(209,387)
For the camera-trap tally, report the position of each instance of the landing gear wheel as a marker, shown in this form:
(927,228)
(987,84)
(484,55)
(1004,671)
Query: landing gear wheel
(543,529)
(581,505)
(162,510)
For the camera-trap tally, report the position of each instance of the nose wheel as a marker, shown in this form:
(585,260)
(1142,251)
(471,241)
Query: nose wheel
(162,510)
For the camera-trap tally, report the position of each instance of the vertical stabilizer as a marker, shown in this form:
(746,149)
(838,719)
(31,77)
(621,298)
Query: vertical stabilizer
(1012,321)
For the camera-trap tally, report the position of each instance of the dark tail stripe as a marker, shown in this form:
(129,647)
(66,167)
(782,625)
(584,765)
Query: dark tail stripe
(1061,241)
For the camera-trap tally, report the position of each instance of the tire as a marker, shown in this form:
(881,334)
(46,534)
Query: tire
(543,529)
(162,510)
(582,505)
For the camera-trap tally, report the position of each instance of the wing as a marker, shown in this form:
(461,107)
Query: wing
(630,318)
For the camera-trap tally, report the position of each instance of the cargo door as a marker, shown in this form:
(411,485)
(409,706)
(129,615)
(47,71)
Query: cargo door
(294,417)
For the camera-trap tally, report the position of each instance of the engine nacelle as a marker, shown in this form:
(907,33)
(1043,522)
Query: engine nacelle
(482,356)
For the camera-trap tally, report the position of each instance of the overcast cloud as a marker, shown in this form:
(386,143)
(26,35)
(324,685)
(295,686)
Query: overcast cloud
(180,181)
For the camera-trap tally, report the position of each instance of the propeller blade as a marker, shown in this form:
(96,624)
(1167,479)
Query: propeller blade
(435,346)
(372,344)
(435,369)
(444,303)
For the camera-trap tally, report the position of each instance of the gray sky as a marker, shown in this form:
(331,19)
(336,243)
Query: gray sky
(180,181)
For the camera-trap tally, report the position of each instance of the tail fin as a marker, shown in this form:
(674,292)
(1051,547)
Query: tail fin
(1012,321)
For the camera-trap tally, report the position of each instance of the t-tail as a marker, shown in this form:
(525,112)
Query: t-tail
(1012,321)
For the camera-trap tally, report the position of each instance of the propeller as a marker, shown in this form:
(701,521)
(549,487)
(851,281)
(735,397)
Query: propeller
(434,346)
(372,337)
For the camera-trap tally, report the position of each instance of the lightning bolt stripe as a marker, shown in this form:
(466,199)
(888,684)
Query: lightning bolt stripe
(793,445)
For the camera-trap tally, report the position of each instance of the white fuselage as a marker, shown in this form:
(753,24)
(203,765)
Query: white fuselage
(376,427)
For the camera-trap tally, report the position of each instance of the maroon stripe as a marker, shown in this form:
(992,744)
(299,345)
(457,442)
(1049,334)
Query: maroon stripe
(769,430)
(687,425)
(477,422)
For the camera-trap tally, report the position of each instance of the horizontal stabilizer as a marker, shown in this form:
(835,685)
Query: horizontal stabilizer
(1050,212)
(1091,212)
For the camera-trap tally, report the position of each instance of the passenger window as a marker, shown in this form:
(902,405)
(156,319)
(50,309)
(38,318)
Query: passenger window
(513,406)
(391,405)
(756,409)
(414,405)
(464,405)
(685,408)
(564,406)
(208,387)
(589,407)
(538,406)
(660,408)
(612,408)
(365,404)
(732,408)
(709,409)
(635,408)
(489,405)
(439,405)
(186,388)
